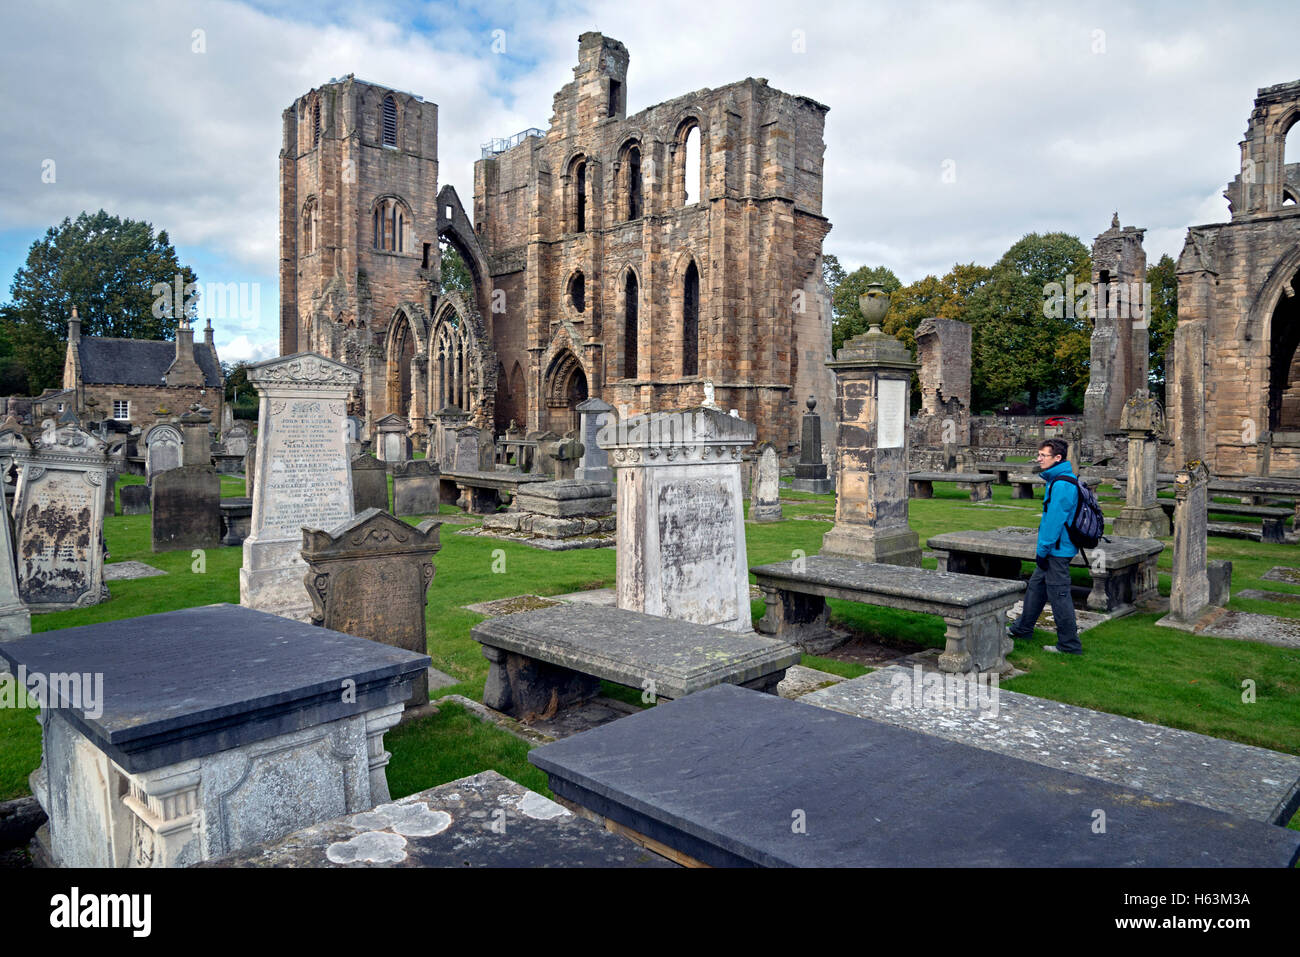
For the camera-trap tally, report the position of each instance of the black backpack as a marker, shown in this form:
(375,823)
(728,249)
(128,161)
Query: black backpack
(1085,527)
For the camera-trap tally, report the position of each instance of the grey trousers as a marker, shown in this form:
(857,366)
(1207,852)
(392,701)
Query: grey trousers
(1051,586)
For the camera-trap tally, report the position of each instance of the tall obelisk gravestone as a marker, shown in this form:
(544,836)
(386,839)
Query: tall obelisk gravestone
(872,384)
(302,479)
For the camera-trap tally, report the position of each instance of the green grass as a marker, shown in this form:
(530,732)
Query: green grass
(1131,667)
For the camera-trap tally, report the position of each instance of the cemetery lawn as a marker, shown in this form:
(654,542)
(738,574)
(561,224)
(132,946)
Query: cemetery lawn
(1130,666)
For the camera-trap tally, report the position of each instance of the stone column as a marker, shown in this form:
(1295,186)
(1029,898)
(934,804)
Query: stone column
(1142,421)
(302,479)
(1189,594)
(873,380)
(681,518)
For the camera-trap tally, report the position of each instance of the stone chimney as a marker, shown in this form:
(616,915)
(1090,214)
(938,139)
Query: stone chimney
(184,370)
(207,335)
(74,327)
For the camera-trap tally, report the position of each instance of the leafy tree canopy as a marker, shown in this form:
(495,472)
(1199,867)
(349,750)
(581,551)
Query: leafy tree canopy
(847,317)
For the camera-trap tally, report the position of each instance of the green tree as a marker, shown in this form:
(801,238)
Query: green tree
(455,274)
(847,320)
(1163,279)
(105,266)
(1019,346)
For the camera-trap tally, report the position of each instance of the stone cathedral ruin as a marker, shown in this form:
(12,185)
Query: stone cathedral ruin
(628,258)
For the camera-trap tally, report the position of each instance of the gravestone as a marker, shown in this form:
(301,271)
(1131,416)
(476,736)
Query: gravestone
(1189,590)
(560,458)
(163,449)
(446,422)
(487,451)
(765,495)
(227,417)
(302,479)
(1142,420)
(135,499)
(355,427)
(368,577)
(464,449)
(594,465)
(369,483)
(59,519)
(415,488)
(393,444)
(681,522)
(250,467)
(872,382)
(236,441)
(12,441)
(810,472)
(15,619)
(185,508)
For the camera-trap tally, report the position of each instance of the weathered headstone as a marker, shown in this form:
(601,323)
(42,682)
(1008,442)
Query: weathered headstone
(464,449)
(765,495)
(368,577)
(15,619)
(303,478)
(1142,420)
(1189,591)
(393,444)
(185,508)
(487,451)
(810,473)
(446,421)
(681,521)
(236,441)
(250,467)
(163,449)
(12,441)
(563,456)
(415,488)
(369,483)
(59,520)
(135,499)
(594,465)
(872,383)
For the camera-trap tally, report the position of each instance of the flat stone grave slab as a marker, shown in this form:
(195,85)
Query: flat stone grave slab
(484,820)
(799,681)
(1084,620)
(125,571)
(509,606)
(1281,573)
(547,659)
(725,775)
(440,679)
(1248,626)
(591,596)
(183,684)
(1259,595)
(1164,762)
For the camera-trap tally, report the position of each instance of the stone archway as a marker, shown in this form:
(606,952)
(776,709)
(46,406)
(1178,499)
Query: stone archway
(462,370)
(1284,360)
(405,367)
(566,386)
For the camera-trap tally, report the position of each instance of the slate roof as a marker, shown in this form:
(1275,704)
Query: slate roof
(138,361)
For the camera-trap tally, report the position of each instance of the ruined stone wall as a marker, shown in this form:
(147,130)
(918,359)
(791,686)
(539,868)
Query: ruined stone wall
(1238,310)
(754,235)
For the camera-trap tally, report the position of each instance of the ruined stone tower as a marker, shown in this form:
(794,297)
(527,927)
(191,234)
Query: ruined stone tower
(1120,340)
(1234,396)
(635,258)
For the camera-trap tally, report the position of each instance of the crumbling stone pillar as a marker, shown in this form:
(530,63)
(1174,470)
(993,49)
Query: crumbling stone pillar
(1189,594)
(1142,421)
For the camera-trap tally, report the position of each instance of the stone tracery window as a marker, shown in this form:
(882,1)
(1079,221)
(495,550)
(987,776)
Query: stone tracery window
(630,182)
(578,198)
(389,221)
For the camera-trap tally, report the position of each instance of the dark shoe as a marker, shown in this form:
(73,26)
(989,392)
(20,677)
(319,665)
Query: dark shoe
(1013,636)
(1060,651)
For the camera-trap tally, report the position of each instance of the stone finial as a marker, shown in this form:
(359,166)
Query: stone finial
(1142,413)
(1114,220)
(874,306)
(812,404)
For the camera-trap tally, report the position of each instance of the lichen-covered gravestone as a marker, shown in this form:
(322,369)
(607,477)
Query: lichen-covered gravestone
(594,466)
(59,519)
(368,577)
(415,488)
(303,478)
(162,449)
(765,496)
(681,522)
(369,483)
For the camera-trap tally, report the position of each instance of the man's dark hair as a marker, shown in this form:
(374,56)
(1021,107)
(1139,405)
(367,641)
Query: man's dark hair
(1056,447)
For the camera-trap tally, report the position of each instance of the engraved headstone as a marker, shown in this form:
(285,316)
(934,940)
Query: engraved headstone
(163,449)
(368,577)
(873,377)
(1142,420)
(415,488)
(765,495)
(464,453)
(446,421)
(681,522)
(393,443)
(369,483)
(303,477)
(236,442)
(594,466)
(59,519)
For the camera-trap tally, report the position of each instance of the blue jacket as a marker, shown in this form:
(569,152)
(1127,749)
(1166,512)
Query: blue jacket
(1058,508)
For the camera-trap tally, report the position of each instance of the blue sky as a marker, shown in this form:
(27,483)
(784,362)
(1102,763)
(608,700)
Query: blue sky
(1048,116)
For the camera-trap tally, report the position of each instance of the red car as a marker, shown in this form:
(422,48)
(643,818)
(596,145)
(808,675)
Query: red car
(1056,420)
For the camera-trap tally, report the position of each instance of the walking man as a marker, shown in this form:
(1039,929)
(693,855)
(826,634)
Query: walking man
(1051,579)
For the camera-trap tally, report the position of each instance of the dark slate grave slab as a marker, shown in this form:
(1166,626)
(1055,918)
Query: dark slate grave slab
(184,684)
(727,775)
(481,821)
(1165,762)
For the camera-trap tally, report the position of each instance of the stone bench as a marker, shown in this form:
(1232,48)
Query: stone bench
(481,492)
(555,657)
(974,609)
(1022,484)
(1123,569)
(1272,528)
(979,484)
(1227,776)
(728,777)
